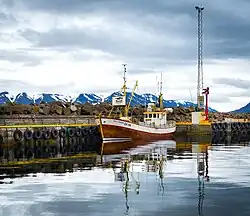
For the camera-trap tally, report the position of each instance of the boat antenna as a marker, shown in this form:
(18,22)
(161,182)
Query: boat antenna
(158,88)
(161,85)
(124,79)
(191,97)
(160,96)
(124,89)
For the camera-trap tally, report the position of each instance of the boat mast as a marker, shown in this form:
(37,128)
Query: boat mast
(161,95)
(124,81)
(125,88)
(158,86)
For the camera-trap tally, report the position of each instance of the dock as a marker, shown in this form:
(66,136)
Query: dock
(66,133)
(231,132)
(187,128)
(28,139)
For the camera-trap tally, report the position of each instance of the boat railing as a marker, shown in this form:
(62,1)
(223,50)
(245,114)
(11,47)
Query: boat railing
(168,124)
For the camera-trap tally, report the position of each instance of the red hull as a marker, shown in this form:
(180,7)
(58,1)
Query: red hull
(110,131)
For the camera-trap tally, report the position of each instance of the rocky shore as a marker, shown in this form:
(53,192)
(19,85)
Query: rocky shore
(66,109)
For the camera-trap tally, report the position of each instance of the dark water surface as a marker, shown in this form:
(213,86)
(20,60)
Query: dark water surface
(162,179)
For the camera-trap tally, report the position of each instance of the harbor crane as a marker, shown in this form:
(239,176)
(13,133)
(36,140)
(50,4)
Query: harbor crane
(200,98)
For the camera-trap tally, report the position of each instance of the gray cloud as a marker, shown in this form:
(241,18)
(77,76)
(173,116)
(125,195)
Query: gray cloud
(241,94)
(87,6)
(22,86)
(80,55)
(19,56)
(8,3)
(7,19)
(150,54)
(238,83)
(111,42)
(219,99)
(225,30)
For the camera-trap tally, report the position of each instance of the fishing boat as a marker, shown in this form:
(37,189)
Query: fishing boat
(153,126)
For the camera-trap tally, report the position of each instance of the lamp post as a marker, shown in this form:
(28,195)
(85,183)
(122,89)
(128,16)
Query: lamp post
(206,92)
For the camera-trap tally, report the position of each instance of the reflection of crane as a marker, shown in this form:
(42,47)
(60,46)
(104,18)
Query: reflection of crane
(201,194)
(125,188)
(202,171)
(137,188)
(124,178)
(121,177)
(161,175)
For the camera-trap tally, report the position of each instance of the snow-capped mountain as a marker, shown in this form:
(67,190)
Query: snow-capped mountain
(244,109)
(143,99)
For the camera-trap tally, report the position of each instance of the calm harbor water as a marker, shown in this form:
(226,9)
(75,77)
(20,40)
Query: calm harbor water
(160,178)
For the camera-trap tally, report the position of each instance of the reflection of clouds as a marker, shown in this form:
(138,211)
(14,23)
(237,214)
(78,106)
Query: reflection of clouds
(153,145)
(230,164)
(225,164)
(181,168)
(79,186)
(82,177)
(88,190)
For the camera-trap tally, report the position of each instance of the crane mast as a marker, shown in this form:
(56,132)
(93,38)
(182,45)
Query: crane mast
(200,103)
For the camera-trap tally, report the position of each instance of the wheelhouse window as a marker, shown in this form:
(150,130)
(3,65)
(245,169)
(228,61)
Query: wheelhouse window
(154,115)
(150,116)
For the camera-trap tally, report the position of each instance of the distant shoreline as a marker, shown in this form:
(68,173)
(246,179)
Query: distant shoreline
(179,114)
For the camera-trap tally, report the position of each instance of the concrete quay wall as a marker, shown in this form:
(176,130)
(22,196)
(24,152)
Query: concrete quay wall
(29,136)
(39,119)
(192,129)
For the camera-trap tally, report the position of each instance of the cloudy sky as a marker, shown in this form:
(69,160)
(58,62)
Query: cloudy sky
(74,46)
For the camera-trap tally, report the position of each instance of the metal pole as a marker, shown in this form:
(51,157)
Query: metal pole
(199,53)
(124,77)
(124,91)
(206,110)
(206,92)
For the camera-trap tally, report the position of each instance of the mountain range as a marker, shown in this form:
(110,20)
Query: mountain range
(244,109)
(138,99)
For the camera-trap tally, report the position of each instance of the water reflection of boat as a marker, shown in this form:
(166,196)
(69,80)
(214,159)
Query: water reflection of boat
(120,147)
(170,148)
(135,149)
(134,146)
(152,158)
(131,167)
